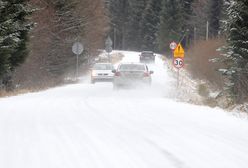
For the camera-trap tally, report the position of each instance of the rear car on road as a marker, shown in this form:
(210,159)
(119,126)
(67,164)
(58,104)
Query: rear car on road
(147,57)
(102,72)
(132,74)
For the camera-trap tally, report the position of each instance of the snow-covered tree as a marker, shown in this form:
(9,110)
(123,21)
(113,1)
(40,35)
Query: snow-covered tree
(13,35)
(237,49)
(5,55)
(14,29)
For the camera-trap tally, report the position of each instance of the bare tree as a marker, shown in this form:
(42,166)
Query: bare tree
(58,25)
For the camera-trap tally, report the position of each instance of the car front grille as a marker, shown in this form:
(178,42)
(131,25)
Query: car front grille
(102,74)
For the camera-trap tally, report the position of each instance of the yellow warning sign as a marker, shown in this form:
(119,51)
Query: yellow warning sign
(179,51)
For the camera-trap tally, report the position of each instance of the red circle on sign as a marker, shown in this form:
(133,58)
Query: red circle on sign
(178,62)
(173,45)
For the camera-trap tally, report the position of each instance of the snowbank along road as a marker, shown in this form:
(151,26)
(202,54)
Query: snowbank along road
(92,126)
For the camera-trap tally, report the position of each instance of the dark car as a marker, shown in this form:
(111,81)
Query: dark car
(132,74)
(147,56)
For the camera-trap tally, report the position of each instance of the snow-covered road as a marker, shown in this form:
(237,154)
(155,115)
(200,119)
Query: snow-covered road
(92,126)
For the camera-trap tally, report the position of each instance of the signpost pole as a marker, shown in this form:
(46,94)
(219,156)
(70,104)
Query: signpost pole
(178,61)
(77,49)
(108,47)
(178,70)
(77,67)
(207,31)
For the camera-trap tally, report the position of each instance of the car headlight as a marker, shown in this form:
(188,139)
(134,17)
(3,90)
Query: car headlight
(93,73)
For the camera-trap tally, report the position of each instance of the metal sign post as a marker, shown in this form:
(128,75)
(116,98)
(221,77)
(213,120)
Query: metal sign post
(178,63)
(178,77)
(108,47)
(178,60)
(77,49)
(109,50)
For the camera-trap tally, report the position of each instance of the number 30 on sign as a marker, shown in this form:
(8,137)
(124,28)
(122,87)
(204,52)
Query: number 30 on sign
(178,62)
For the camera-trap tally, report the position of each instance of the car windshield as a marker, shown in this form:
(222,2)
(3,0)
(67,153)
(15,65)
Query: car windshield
(132,67)
(102,67)
(147,53)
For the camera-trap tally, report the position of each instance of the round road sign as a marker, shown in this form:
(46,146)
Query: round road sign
(173,45)
(77,48)
(178,62)
(108,49)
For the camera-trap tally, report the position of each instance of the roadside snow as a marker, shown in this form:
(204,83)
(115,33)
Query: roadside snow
(92,126)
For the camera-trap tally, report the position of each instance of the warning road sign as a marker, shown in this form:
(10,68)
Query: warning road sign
(179,51)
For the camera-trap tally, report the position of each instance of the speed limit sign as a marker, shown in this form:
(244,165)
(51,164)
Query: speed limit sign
(178,62)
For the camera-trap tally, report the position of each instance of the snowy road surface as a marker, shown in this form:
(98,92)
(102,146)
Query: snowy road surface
(92,126)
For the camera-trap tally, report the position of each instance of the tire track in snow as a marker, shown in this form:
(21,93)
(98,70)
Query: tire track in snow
(175,161)
(114,127)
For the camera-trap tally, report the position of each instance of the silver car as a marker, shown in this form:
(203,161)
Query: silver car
(132,74)
(102,72)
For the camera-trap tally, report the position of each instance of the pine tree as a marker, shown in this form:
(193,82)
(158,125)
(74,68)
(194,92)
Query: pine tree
(135,23)
(119,12)
(237,55)
(215,10)
(135,15)
(171,24)
(149,25)
(199,18)
(4,52)
(186,10)
(187,28)
(14,30)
